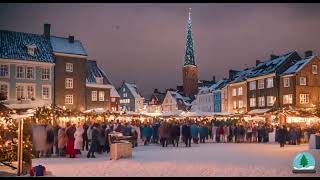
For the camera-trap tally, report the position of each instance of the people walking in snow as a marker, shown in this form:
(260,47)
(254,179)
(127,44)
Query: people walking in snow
(78,136)
(94,142)
(186,133)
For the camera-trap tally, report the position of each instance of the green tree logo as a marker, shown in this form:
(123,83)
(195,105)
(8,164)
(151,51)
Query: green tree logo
(303,161)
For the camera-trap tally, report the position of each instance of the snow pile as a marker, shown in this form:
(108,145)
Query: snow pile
(200,160)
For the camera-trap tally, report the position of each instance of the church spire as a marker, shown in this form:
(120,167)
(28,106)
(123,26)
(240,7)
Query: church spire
(189,58)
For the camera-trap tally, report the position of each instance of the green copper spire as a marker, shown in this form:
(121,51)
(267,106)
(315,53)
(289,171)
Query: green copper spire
(189,54)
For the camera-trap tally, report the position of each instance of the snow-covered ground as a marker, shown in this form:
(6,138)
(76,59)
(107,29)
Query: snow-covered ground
(208,159)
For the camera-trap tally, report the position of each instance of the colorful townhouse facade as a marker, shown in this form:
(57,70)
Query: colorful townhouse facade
(130,98)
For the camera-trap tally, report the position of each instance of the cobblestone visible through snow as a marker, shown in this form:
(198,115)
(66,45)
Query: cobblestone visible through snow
(200,160)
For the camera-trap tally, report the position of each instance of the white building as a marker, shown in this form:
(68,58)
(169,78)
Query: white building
(173,102)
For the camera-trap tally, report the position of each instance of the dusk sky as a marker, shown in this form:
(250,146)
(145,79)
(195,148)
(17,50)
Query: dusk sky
(145,43)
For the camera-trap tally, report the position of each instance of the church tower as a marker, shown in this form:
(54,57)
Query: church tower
(190,69)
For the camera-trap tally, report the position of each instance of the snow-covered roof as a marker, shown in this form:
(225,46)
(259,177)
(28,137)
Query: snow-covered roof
(133,89)
(220,84)
(242,75)
(298,66)
(180,99)
(93,71)
(114,92)
(13,45)
(258,111)
(62,45)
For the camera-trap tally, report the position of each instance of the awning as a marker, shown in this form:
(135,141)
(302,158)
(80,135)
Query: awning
(259,111)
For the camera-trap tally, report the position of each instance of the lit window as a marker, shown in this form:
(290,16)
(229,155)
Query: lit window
(20,92)
(101,95)
(20,72)
(31,49)
(29,72)
(304,98)
(94,95)
(113,99)
(252,85)
(261,84)
(314,69)
(99,80)
(234,104)
(286,82)
(124,90)
(46,92)
(4,89)
(287,99)
(261,101)
(240,104)
(270,100)
(234,92)
(30,91)
(240,92)
(4,70)
(69,99)
(303,81)
(69,67)
(45,73)
(252,102)
(269,82)
(69,83)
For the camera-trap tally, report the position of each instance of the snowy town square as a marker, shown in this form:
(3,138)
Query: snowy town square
(159,90)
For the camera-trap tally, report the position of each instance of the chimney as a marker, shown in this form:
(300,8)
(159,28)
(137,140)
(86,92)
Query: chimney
(71,39)
(308,53)
(232,74)
(272,56)
(258,62)
(46,30)
(214,79)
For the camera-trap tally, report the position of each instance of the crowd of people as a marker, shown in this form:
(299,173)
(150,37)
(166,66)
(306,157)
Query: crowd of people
(73,139)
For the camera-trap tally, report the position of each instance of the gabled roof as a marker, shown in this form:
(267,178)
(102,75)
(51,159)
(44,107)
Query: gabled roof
(179,98)
(133,89)
(220,84)
(297,66)
(62,45)
(13,45)
(114,92)
(160,96)
(93,71)
(242,75)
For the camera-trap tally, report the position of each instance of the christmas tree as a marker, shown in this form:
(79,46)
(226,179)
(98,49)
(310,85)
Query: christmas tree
(303,161)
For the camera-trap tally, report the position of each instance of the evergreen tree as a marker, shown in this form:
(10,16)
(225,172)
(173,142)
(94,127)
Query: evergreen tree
(303,161)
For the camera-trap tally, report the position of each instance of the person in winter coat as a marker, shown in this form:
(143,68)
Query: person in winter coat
(70,141)
(221,134)
(62,139)
(127,130)
(282,134)
(249,134)
(186,134)
(94,142)
(226,133)
(293,136)
(50,140)
(85,137)
(194,132)
(89,134)
(231,135)
(203,133)
(101,138)
(164,134)
(78,138)
(55,140)
(214,133)
(155,134)
(177,134)
(147,133)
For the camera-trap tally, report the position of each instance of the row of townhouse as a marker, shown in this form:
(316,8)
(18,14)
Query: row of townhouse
(282,81)
(38,70)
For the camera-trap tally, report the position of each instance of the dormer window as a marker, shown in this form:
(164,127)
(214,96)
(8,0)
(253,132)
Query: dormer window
(31,49)
(99,80)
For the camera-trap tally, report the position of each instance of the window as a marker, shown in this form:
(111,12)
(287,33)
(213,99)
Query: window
(4,89)
(69,99)
(240,104)
(46,92)
(304,98)
(270,100)
(31,49)
(252,102)
(99,80)
(303,81)
(234,104)
(30,91)
(269,82)
(29,72)
(113,99)
(261,102)
(69,83)
(234,92)
(20,72)
(252,85)
(124,101)
(20,92)
(314,69)
(4,70)
(287,99)
(94,95)
(124,90)
(45,73)
(286,82)
(125,95)
(69,67)
(261,84)
(101,95)
(240,92)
